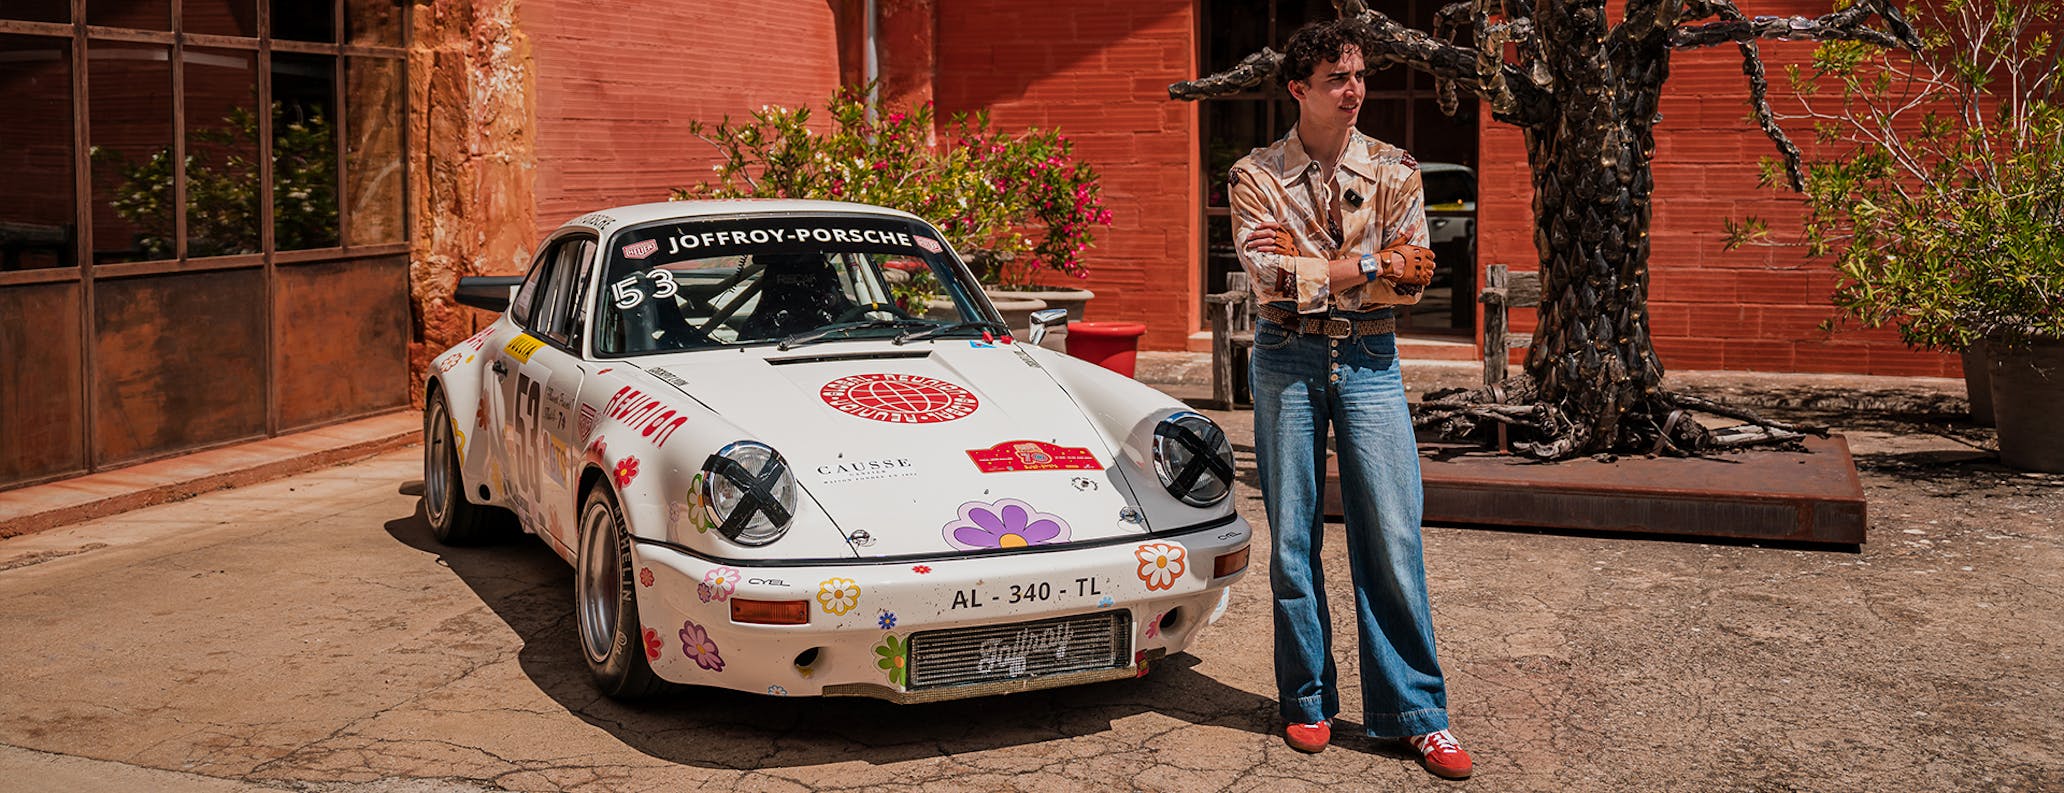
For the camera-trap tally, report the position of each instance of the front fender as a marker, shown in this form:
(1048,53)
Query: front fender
(1126,411)
(654,463)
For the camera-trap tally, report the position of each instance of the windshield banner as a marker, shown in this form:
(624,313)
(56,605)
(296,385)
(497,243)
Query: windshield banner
(707,239)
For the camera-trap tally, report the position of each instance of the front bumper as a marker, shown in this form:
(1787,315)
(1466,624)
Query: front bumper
(862,614)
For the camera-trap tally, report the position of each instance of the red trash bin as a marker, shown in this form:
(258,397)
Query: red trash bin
(1112,345)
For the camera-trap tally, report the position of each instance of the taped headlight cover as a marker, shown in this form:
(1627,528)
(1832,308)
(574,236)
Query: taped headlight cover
(749,493)
(1194,459)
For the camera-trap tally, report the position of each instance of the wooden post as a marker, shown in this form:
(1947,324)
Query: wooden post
(1494,342)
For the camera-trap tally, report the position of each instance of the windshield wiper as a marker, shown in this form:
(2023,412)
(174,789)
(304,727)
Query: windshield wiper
(1000,329)
(809,336)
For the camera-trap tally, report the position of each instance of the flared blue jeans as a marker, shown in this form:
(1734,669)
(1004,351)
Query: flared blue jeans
(1302,384)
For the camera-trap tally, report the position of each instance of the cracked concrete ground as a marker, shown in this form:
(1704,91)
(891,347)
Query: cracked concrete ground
(307,634)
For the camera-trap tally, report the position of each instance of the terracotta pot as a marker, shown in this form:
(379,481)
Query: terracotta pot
(1071,299)
(2027,386)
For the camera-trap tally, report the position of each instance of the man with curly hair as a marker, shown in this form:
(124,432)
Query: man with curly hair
(1333,232)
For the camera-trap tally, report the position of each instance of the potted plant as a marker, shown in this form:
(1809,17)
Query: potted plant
(1939,194)
(1018,207)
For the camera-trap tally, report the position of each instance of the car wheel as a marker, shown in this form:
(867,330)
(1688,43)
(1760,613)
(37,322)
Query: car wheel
(453,519)
(606,602)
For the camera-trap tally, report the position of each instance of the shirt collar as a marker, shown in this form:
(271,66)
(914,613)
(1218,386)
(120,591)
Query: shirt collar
(1296,161)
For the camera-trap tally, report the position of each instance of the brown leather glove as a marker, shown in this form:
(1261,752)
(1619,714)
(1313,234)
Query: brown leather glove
(1406,264)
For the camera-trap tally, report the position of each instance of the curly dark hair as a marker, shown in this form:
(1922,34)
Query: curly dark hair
(1316,43)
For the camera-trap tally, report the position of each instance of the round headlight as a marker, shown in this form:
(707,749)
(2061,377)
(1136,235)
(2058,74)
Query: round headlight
(1193,459)
(749,493)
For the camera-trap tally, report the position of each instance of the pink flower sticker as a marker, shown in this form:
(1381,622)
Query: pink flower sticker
(645,576)
(721,582)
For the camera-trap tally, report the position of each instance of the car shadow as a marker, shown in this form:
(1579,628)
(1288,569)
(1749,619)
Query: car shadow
(531,589)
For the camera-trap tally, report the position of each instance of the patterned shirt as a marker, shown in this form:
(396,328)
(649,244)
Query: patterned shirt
(1373,201)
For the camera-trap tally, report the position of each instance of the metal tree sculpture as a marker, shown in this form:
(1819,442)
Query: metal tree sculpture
(1585,93)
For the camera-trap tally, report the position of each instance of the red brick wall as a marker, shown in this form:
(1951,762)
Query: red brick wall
(615,91)
(1754,308)
(1099,72)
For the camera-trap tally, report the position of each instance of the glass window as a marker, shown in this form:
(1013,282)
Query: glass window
(304,151)
(374,22)
(554,317)
(372,154)
(37,226)
(304,20)
(527,295)
(221,152)
(1238,126)
(37,10)
(220,17)
(145,14)
(130,104)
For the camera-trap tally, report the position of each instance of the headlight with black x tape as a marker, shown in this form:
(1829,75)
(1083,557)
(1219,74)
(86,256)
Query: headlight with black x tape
(749,493)
(1193,459)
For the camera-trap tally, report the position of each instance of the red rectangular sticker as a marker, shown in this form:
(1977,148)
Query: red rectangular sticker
(1033,456)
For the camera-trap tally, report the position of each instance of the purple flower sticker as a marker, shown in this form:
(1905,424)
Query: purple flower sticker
(1008,523)
(699,647)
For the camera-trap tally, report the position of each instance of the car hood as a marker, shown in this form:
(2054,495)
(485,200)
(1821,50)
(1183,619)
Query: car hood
(925,448)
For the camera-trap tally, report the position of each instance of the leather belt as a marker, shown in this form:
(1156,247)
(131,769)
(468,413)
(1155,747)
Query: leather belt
(1330,327)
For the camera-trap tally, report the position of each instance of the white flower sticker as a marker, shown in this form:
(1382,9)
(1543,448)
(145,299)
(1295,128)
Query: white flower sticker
(1159,564)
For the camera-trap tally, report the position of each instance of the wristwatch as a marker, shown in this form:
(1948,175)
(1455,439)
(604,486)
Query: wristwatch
(1371,266)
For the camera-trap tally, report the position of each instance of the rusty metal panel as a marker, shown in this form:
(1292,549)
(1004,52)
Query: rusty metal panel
(343,339)
(1811,496)
(179,361)
(40,383)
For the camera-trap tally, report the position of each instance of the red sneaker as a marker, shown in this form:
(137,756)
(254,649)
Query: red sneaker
(1442,754)
(1309,737)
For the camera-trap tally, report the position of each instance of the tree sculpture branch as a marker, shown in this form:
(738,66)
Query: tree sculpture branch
(1512,97)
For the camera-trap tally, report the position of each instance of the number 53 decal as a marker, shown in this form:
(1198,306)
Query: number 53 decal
(628,295)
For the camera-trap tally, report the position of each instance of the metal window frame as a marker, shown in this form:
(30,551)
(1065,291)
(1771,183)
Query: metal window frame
(82,37)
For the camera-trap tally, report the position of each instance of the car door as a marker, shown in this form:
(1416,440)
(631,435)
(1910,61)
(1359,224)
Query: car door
(543,388)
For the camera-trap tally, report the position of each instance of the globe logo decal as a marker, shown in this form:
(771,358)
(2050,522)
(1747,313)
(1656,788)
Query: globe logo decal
(899,398)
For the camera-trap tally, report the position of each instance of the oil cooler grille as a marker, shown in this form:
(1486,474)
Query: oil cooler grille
(989,653)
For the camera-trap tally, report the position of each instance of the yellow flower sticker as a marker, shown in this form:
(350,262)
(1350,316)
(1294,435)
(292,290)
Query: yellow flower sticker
(838,595)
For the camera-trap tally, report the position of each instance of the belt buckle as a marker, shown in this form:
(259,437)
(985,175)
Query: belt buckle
(1338,328)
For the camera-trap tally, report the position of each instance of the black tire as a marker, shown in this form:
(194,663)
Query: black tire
(453,519)
(605,605)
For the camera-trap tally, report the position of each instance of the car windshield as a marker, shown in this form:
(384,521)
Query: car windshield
(1449,188)
(696,284)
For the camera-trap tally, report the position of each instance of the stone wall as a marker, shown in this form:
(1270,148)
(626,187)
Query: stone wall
(472,162)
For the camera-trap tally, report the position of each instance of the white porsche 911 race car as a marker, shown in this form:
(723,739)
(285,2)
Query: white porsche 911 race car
(770,478)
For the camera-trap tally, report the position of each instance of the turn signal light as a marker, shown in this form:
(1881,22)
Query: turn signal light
(771,612)
(1227,564)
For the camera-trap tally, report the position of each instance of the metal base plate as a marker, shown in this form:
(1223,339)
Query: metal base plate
(1810,496)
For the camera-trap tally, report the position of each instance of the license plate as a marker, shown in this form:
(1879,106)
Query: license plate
(1087,590)
(963,656)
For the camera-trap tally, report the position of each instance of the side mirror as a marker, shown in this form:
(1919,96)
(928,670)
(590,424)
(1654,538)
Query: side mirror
(487,292)
(1042,320)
